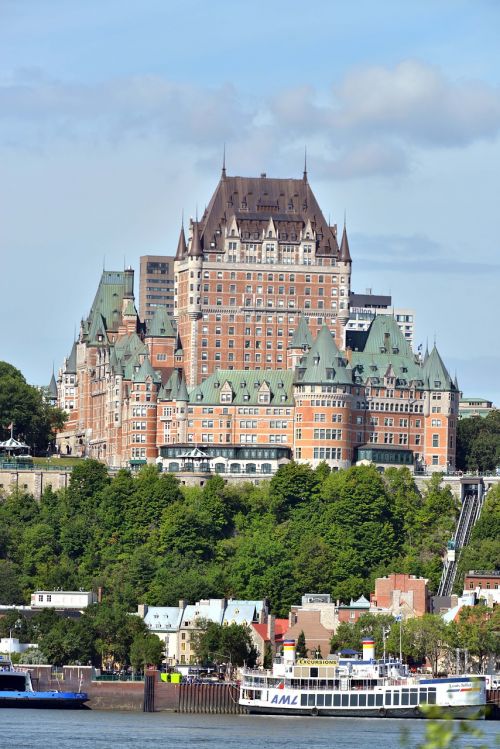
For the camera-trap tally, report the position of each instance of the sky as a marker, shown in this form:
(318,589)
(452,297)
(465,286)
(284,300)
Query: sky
(114,115)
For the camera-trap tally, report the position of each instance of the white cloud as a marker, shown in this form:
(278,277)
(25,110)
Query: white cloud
(416,102)
(372,122)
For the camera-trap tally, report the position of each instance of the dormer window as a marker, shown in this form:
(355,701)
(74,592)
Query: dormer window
(437,383)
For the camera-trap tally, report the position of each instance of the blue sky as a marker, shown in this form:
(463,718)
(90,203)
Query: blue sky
(113,117)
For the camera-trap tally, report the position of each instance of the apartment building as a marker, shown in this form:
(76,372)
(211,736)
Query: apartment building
(156,285)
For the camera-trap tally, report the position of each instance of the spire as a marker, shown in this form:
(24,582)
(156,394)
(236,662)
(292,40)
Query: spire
(53,386)
(345,255)
(181,245)
(304,176)
(195,250)
(223,175)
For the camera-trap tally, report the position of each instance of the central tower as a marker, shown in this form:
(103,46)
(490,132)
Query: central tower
(261,257)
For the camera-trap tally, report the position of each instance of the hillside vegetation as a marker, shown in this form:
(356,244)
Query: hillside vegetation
(144,538)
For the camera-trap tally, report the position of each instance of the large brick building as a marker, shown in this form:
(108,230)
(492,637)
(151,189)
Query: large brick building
(254,368)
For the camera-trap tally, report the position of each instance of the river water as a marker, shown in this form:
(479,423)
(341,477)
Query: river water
(58,729)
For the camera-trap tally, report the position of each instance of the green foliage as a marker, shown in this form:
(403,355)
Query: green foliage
(478,443)
(145,650)
(35,421)
(214,643)
(144,538)
(300,647)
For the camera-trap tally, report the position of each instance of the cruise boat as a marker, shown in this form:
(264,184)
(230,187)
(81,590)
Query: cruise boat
(358,687)
(16,690)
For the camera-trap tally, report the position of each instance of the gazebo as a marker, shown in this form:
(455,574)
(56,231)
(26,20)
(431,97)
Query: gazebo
(195,460)
(13,447)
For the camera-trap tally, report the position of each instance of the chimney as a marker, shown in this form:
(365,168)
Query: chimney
(142,609)
(182,604)
(99,594)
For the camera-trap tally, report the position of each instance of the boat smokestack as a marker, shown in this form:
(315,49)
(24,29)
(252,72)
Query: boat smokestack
(289,652)
(368,649)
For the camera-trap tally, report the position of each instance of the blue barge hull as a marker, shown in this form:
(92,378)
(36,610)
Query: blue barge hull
(51,700)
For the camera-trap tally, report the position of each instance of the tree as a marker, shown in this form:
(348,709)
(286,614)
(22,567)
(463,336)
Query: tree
(292,484)
(477,631)
(423,637)
(300,647)
(231,644)
(34,419)
(146,650)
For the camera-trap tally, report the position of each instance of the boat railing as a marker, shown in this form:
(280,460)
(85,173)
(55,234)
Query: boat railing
(267,680)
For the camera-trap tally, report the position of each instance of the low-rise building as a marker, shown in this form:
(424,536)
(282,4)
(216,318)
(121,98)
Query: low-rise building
(468,407)
(401,594)
(75,600)
(485,585)
(165,622)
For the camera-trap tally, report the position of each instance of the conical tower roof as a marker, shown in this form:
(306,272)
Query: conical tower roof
(345,255)
(181,245)
(324,362)
(302,337)
(436,372)
(195,249)
(52,387)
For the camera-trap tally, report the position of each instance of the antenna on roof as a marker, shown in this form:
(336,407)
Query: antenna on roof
(104,262)
(305,164)
(345,218)
(224,162)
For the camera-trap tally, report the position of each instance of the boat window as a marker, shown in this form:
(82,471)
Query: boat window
(387,698)
(303,699)
(336,700)
(345,700)
(311,699)
(362,700)
(354,700)
(371,700)
(432,696)
(395,698)
(314,672)
(405,697)
(423,696)
(379,700)
(320,700)
(413,696)
(328,700)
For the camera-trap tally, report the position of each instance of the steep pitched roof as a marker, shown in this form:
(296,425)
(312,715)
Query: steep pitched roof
(345,255)
(302,337)
(195,249)
(181,245)
(146,371)
(105,313)
(324,362)
(71,361)
(52,387)
(436,372)
(385,337)
(161,325)
(245,386)
(252,201)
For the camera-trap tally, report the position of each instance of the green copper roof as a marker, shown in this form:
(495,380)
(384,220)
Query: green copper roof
(174,388)
(161,325)
(302,337)
(52,387)
(385,337)
(105,312)
(130,309)
(246,386)
(71,362)
(324,362)
(146,371)
(436,373)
